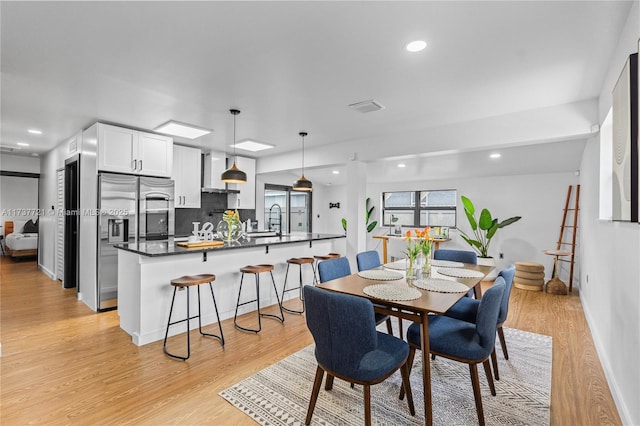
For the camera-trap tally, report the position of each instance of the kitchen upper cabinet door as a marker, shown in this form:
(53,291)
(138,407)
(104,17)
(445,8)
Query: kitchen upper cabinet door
(154,155)
(186,174)
(246,199)
(116,148)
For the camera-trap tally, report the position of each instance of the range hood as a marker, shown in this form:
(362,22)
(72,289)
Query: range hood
(213,164)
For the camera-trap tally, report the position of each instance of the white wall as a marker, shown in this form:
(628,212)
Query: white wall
(610,256)
(19,163)
(52,161)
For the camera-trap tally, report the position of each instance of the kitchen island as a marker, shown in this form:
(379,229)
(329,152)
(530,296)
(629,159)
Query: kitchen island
(146,268)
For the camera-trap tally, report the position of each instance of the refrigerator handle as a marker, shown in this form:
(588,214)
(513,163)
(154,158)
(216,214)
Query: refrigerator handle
(140,169)
(135,165)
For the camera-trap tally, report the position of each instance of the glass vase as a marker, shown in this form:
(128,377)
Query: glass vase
(411,270)
(229,231)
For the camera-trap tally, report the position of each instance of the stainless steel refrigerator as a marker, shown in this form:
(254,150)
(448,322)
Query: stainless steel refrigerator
(131,209)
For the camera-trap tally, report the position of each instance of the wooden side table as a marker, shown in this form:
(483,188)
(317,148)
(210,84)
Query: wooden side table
(555,285)
(385,239)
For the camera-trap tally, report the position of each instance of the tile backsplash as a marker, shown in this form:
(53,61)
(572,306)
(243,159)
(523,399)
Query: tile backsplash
(211,208)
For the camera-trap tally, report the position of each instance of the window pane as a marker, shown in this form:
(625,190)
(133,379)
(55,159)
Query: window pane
(401,217)
(399,199)
(437,198)
(438,218)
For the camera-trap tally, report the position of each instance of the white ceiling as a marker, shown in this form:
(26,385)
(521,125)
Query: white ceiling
(291,66)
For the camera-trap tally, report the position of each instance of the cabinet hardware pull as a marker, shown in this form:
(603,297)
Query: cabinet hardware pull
(135,165)
(140,165)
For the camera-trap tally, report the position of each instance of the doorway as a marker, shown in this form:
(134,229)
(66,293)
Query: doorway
(71,222)
(286,210)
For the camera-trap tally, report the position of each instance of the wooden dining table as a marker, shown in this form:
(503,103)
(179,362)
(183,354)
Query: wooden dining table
(416,310)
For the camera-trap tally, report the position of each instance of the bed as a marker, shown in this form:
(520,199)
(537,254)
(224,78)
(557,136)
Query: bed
(20,244)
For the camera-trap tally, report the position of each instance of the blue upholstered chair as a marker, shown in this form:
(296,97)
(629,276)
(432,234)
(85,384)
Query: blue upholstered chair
(337,268)
(466,309)
(463,256)
(471,343)
(368,260)
(349,347)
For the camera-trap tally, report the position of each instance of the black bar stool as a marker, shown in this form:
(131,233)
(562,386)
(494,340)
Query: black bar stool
(180,284)
(256,270)
(316,279)
(296,261)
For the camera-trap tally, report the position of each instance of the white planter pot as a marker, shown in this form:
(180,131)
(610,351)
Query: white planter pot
(489,261)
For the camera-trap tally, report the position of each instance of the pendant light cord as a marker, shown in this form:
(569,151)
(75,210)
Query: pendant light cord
(302,155)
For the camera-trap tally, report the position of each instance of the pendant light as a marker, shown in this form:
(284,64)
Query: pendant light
(233,174)
(302,184)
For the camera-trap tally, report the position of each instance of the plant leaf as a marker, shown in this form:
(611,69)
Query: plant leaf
(372,226)
(471,242)
(472,220)
(509,221)
(468,205)
(344,224)
(492,230)
(485,221)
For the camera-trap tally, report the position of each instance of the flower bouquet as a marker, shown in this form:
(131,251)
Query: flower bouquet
(413,250)
(230,228)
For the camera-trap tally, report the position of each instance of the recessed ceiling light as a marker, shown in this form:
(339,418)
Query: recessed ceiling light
(496,155)
(253,146)
(336,172)
(416,46)
(35,132)
(34,154)
(183,130)
(22,144)
(401,165)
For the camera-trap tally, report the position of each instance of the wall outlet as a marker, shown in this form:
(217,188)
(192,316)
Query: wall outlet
(501,255)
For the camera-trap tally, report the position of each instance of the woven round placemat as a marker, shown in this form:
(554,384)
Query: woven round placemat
(441,286)
(460,273)
(446,263)
(380,274)
(392,292)
(399,265)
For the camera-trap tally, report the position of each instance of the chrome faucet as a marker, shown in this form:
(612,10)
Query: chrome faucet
(275,223)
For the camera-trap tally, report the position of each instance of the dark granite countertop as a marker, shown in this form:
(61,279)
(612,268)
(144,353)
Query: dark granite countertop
(169,248)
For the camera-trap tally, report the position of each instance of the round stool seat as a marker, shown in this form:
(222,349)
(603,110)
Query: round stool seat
(300,260)
(529,267)
(328,256)
(256,269)
(189,280)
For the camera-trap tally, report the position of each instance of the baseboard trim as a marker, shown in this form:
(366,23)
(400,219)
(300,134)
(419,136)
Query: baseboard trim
(623,412)
(47,272)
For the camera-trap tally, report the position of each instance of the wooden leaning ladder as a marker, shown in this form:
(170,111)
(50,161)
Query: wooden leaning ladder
(573,226)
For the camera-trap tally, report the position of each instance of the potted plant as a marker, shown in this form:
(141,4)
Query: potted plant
(368,212)
(483,228)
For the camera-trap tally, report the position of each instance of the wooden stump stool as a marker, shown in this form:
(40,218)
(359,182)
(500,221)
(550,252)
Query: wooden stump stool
(529,276)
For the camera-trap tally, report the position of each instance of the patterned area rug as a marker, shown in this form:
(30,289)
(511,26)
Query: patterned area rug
(279,394)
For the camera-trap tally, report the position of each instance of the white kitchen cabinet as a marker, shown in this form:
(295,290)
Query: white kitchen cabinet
(246,199)
(123,150)
(186,174)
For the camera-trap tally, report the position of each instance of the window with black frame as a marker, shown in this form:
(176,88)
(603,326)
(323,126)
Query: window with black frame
(419,208)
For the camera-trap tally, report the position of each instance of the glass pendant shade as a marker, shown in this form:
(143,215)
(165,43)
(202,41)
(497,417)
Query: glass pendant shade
(233,174)
(303,184)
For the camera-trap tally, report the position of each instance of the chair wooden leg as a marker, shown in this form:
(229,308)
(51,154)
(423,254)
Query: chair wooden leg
(389,328)
(401,332)
(476,392)
(367,405)
(503,343)
(409,363)
(328,385)
(406,384)
(314,394)
(494,361)
(487,371)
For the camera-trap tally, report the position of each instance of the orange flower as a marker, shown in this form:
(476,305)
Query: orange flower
(409,234)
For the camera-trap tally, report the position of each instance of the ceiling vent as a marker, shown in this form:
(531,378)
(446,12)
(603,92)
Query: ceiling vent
(366,106)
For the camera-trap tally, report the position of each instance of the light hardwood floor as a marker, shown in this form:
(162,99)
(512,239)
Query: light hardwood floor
(64,364)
